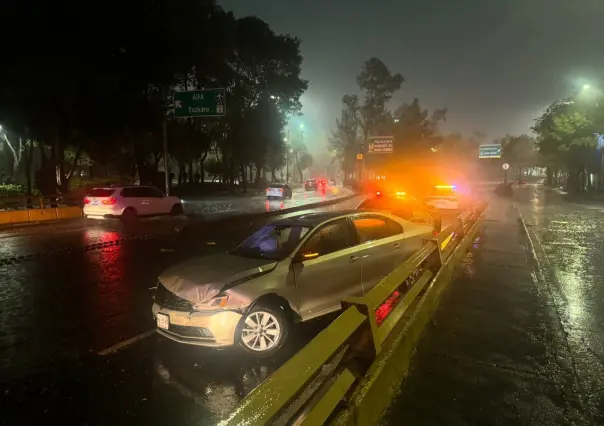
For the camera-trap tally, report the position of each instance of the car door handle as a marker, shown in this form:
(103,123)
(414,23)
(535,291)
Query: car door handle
(353,259)
(396,246)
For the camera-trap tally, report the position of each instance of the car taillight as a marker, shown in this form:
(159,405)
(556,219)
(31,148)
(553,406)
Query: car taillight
(86,200)
(280,189)
(109,201)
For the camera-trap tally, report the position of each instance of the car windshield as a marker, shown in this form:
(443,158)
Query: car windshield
(272,242)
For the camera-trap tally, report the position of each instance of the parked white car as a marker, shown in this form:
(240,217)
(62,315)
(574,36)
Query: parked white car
(129,202)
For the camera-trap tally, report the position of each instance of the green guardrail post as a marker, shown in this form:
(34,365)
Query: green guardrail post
(459,227)
(369,311)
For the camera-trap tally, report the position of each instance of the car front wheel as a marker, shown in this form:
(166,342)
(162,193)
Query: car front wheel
(177,210)
(262,331)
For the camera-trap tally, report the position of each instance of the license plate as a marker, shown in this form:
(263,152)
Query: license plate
(163,321)
(95,203)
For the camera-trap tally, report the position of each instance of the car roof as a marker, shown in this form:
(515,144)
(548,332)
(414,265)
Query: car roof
(315,218)
(123,186)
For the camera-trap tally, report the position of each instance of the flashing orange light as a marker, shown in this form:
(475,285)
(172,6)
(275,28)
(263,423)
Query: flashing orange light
(400,194)
(310,255)
(444,186)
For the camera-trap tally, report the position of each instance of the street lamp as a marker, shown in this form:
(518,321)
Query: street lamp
(302,125)
(586,86)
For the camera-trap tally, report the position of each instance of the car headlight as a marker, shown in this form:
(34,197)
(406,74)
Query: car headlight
(218,301)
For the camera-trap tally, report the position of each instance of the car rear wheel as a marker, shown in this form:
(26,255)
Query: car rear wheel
(129,215)
(263,331)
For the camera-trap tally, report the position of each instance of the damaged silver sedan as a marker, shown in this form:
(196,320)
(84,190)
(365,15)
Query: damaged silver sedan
(289,271)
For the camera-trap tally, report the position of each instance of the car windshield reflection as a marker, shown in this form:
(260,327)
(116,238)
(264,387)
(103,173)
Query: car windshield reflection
(272,242)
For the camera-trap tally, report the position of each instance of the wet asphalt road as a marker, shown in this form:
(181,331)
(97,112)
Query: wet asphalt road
(518,338)
(42,239)
(61,312)
(64,308)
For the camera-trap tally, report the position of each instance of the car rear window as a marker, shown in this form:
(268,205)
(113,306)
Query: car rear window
(276,185)
(101,192)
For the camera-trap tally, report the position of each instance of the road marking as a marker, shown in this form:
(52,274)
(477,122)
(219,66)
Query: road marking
(123,344)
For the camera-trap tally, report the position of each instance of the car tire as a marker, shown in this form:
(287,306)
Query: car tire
(129,215)
(264,340)
(177,210)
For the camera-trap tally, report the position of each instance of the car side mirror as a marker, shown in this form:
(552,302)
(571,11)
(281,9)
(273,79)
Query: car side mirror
(301,257)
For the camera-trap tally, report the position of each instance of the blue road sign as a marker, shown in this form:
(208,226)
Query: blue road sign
(489,151)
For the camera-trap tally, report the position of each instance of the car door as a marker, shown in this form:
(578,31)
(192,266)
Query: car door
(158,202)
(327,269)
(132,196)
(381,247)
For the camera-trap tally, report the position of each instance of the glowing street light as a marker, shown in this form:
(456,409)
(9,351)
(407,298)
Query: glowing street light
(302,125)
(284,139)
(586,86)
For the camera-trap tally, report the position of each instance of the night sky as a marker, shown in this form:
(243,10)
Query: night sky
(495,64)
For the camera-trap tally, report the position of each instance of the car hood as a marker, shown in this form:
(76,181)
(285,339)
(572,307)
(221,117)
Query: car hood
(201,278)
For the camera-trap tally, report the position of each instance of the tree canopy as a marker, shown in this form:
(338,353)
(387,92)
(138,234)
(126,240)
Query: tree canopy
(567,138)
(101,88)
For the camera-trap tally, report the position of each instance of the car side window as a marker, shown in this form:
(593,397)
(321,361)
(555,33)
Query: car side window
(128,192)
(153,192)
(372,228)
(332,237)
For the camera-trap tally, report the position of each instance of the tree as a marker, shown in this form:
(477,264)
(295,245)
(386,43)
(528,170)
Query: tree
(344,142)
(359,120)
(415,130)
(106,98)
(565,138)
(378,85)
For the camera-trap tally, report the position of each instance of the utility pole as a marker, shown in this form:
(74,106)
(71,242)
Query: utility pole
(287,152)
(166,171)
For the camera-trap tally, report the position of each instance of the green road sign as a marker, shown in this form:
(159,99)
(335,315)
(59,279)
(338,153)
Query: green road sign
(200,103)
(489,151)
(380,145)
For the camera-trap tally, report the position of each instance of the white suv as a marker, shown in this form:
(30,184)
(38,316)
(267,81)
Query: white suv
(128,202)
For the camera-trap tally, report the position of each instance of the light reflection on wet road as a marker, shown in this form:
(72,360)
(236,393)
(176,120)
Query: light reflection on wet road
(570,246)
(43,239)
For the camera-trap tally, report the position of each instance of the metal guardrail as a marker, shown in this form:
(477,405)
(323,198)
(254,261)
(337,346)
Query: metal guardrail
(310,387)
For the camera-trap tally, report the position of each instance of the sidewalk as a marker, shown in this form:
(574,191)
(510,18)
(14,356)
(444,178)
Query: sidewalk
(495,354)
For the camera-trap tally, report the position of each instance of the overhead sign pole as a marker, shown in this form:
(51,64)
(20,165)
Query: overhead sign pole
(194,104)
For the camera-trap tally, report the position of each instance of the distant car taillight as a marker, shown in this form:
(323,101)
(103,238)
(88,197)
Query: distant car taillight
(280,189)
(109,201)
(86,200)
